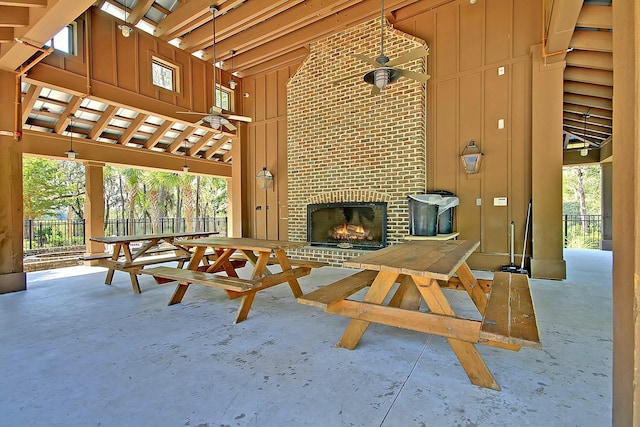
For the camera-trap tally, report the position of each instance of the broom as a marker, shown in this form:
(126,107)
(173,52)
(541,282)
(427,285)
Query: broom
(523,270)
(512,267)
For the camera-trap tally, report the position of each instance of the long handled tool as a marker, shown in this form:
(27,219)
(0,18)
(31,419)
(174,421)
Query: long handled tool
(522,270)
(512,267)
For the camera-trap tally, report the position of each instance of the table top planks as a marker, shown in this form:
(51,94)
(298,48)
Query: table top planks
(141,237)
(424,258)
(244,243)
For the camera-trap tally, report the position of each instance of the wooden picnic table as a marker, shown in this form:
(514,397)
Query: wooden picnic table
(422,268)
(131,261)
(260,253)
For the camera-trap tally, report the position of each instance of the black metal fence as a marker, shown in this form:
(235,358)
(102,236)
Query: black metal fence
(582,231)
(55,233)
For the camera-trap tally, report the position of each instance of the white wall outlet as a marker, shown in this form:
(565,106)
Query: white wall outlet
(500,123)
(501,71)
(499,201)
(478,202)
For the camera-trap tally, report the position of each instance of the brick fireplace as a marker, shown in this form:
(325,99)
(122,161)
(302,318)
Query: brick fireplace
(345,146)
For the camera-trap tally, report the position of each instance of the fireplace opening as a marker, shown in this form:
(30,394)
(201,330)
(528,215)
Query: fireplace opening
(357,225)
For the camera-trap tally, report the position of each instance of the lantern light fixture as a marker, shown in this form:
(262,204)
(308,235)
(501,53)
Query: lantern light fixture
(471,157)
(124,28)
(71,155)
(264,179)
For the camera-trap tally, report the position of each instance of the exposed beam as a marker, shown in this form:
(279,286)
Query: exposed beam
(562,22)
(141,8)
(589,75)
(178,142)
(588,89)
(132,129)
(295,55)
(6,35)
(597,60)
(190,15)
(595,17)
(596,131)
(64,119)
(599,121)
(29,100)
(581,109)
(601,41)
(589,101)
(215,147)
(101,124)
(159,133)
(53,146)
(201,143)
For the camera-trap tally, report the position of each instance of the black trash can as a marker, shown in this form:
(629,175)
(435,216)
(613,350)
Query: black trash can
(445,217)
(423,216)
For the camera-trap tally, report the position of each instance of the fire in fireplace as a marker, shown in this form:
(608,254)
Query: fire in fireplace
(357,225)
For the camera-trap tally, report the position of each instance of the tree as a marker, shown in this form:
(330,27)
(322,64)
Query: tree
(581,190)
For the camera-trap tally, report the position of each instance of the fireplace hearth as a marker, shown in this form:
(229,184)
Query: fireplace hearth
(348,225)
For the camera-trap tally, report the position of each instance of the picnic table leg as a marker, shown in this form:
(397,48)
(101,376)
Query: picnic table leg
(472,287)
(407,295)
(178,294)
(284,263)
(114,258)
(377,293)
(245,306)
(134,282)
(465,351)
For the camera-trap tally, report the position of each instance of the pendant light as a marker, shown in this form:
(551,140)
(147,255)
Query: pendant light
(232,83)
(585,149)
(185,168)
(71,155)
(124,28)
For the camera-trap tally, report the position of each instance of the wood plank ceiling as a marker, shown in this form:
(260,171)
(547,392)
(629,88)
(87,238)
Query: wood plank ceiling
(264,34)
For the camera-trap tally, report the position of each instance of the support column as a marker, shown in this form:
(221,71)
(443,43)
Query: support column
(626,213)
(546,167)
(606,177)
(12,276)
(94,207)
(236,186)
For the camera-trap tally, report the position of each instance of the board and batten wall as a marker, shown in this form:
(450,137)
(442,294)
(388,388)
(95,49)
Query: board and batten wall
(466,96)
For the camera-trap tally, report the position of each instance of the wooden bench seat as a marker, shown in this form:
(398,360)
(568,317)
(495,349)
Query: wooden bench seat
(95,257)
(509,320)
(300,263)
(234,284)
(151,260)
(337,291)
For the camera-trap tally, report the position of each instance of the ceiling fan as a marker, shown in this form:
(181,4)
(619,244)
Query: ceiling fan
(214,117)
(385,71)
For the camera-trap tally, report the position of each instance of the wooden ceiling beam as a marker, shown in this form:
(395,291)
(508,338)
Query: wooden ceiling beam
(138,12)
(588,101)
(189,16)
(195,148)
(561,23)
(158,134)
(595,130)
(595,17)
(6,35)
(601,41)
(215,147)
(29,100)
(132,129)
(70,110)
(361,12)
(102,123)
(589,75)
(179,141)
(234,21)
(586,59)
(581,109)
(598,121)
(12,16)
(295,55)
(588,89)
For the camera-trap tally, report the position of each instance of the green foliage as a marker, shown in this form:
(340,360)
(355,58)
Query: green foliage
(586,193)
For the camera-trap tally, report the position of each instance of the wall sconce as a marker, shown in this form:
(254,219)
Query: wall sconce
(264,179)
(471,157)
(71,155)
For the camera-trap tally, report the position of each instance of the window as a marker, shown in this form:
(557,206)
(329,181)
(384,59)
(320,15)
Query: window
(224,98)
(164,74)
(64,41)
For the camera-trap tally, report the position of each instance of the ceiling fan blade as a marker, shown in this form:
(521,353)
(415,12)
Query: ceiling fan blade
(374,91)
(409,56)
(230,126)
(215,110)
(237,118)
(335,82)
(421,77)
(193,113)
(366,59)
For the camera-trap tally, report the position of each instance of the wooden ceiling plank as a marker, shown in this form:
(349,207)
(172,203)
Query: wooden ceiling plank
(581,109)
(595,17)
(132,129)
(64,119)
(182,15)
(101,124)
(294,55)
(201,22)
(159,133)
(363,11)
(588,101)
(13,16)
(586,59)
(201,143)
(590,128)
(601,41)
(234,21)
(589,75)
(6,35)
(588,89)
(179,141)
(598,121)
(29,100)
(562,23)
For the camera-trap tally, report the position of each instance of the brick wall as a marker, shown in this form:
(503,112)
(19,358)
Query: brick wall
(345,145)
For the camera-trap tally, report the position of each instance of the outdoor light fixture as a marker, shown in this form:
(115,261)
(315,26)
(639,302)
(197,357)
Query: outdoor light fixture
(264,179)
(585,149)
(471,157)
(71,155)
(185,168)
(124,28)
(232,83)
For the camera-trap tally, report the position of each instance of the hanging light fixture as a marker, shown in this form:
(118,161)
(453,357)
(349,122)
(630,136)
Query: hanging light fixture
(185,168)
(471,157)
(71,155)
(585,148)
(124,28)
(264,179)
(232,83)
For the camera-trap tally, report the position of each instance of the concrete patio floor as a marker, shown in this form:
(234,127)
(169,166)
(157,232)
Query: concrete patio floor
(76,352)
